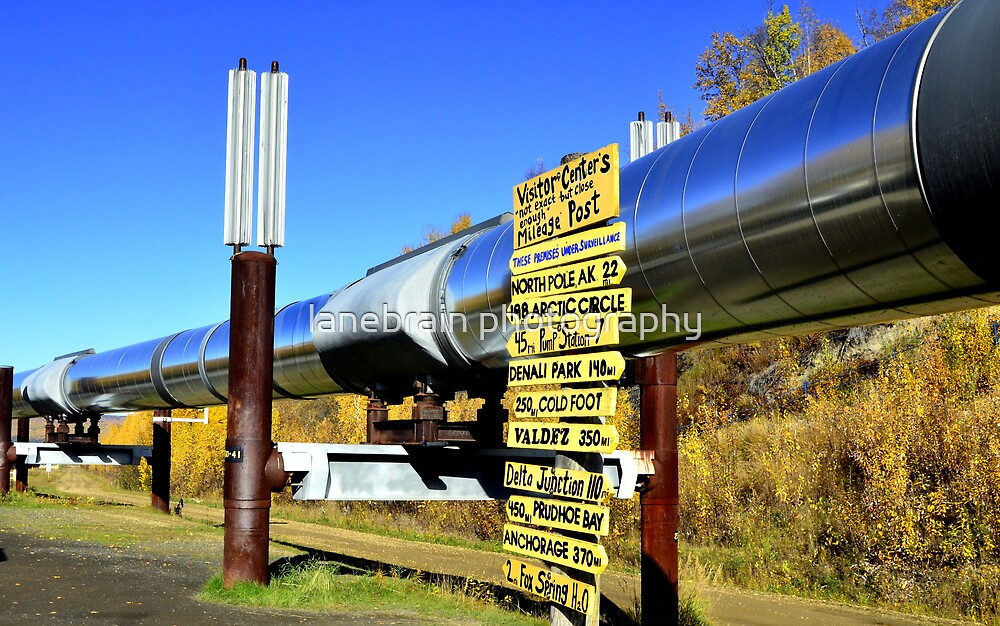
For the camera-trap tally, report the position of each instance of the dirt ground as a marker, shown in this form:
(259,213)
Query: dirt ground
(67,582)
(81,582)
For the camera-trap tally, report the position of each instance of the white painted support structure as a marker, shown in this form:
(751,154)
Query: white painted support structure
(36,453)
(239,155)
(667,132)
(640,139)
(323,471)
(273,158)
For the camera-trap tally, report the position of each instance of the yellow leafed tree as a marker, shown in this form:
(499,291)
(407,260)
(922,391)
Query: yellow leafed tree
(137,430)
(432,234)
(197,452)
(823,43)
(735,71)
(898,15)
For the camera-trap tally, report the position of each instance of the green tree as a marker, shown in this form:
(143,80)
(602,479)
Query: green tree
(736,71)
(774,46)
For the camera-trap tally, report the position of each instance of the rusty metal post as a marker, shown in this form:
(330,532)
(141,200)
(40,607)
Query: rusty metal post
(657,377)
(246,492)
(377,412)
(6,424)
(62,430)
(20,467)
(160,492)
(94,430)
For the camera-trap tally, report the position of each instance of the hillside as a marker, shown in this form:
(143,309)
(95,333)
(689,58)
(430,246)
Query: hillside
(862,464)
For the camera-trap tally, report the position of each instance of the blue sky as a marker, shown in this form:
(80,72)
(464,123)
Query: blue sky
(401,116)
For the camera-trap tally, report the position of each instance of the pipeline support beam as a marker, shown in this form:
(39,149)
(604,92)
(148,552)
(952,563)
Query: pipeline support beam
(160,492)
(657,377)
(246,492)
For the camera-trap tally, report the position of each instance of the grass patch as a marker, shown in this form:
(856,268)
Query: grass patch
(691,611)
(20,501)
(85,520)
(321,586)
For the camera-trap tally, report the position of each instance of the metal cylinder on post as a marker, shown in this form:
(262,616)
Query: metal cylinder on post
(160,492)
(657,377)
(6,424)
(246,492)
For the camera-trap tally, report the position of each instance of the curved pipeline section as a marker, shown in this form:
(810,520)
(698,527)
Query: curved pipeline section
(866,192)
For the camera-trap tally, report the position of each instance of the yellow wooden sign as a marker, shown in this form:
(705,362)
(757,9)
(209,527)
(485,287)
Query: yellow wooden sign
(566,403)
(596,438)
(570,197)
(569,249)
(551,586)
(581,555)
(589,518)
(574,368)
(565,336)
(585,307)
(561,483)
(602,272)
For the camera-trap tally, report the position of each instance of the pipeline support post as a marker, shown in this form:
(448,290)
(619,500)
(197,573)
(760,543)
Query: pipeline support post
(377,413)
(657,377)
(6,424)
(246,491)
(559,615)
(160,492)
(20,467)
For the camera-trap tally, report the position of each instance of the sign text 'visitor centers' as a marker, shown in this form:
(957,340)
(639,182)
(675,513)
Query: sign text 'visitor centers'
(570,197)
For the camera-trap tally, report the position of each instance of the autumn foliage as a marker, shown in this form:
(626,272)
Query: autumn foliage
(886,487)
(738,69)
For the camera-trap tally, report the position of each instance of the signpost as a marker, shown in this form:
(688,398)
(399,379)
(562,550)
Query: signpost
(574,368)
(603,272)
(569,249)
(581,555)
(559,482)
(587,307)
(550,585)
(565,299)
(554,513)
(561,337)
(597,438)
(566,403)
(578,194)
